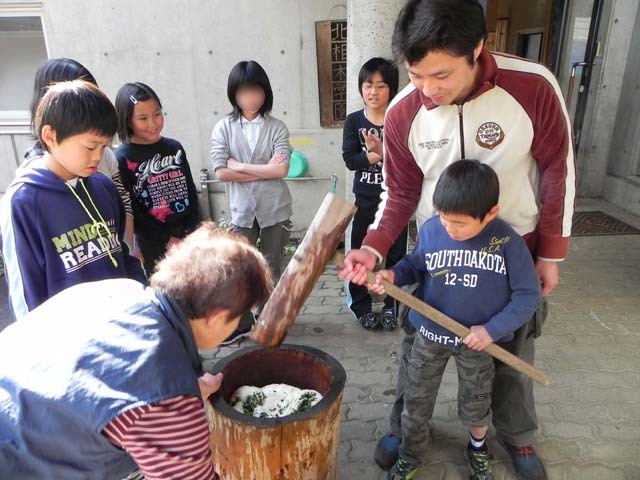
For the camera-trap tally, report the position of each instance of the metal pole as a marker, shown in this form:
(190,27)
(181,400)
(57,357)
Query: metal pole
(205,203)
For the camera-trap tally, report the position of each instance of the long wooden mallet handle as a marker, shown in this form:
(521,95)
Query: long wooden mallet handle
(458,329)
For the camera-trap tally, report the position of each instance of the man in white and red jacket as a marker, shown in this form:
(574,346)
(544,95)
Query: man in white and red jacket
(466,102)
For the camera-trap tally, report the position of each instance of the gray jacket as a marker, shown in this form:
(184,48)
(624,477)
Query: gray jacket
(268,201)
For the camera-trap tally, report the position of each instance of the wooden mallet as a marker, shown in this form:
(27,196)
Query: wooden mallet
(457,328)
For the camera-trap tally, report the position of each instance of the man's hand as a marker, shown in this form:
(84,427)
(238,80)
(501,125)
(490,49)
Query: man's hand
(209,384)
(377,287)
(356,265)
(478,339)
(548,274)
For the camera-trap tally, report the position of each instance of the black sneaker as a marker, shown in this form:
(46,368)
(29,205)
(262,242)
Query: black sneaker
(479,462)
(388,320)
(368,321)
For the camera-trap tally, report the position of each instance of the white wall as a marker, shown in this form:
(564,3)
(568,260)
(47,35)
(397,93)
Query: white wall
(185,50)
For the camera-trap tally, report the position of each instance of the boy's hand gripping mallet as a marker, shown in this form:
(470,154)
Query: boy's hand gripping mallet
(457,328)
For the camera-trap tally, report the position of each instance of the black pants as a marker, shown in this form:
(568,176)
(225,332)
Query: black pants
(358,297)
(514,412)
(152,250)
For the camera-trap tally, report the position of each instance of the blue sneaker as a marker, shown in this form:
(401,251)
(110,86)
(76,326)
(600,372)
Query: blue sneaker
(402,470)
(526,462)
(386,453)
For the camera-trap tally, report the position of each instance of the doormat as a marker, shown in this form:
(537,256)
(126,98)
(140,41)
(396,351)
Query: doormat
(599,223)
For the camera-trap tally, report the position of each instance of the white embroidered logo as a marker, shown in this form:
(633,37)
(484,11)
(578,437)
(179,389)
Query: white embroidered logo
(434,144)
(489,135)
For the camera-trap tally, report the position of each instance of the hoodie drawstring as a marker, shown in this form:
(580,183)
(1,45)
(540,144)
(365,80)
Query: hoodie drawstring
(96,224)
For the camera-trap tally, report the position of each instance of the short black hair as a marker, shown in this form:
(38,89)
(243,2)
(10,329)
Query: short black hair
(424,26)
(387,70)
(249,73)
(73,108)
(467,187)
(54,71)
(126,99)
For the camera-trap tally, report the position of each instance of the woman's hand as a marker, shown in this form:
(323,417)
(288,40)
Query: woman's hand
(278,158)
(235,165)
(209,384)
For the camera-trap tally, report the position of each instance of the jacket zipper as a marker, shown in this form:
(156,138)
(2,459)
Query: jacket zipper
(461,132)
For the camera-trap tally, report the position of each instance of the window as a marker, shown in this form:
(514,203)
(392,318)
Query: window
(22,51)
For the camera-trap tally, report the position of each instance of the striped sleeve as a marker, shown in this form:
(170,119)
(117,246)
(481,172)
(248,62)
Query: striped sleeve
(168,439)
(109,166)
(122,193)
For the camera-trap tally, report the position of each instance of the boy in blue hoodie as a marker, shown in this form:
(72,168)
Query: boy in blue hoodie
(476,269)
(61,222)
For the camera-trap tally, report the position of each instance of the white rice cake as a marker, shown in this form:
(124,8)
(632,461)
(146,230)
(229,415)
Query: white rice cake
(275,400)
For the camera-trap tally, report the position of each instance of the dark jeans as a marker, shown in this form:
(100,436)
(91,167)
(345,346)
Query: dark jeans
(358,297)
(514,412)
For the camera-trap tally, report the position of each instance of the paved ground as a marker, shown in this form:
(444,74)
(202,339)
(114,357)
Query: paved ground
(589,417)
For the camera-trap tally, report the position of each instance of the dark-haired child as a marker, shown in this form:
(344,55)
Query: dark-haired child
(250,151)
(155,171)
(479,271)
(62,225)
(58,70)
(363,129)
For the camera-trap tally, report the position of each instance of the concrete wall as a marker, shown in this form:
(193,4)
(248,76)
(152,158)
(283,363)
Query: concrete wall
(186,52)
(624,158)
(622,183)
